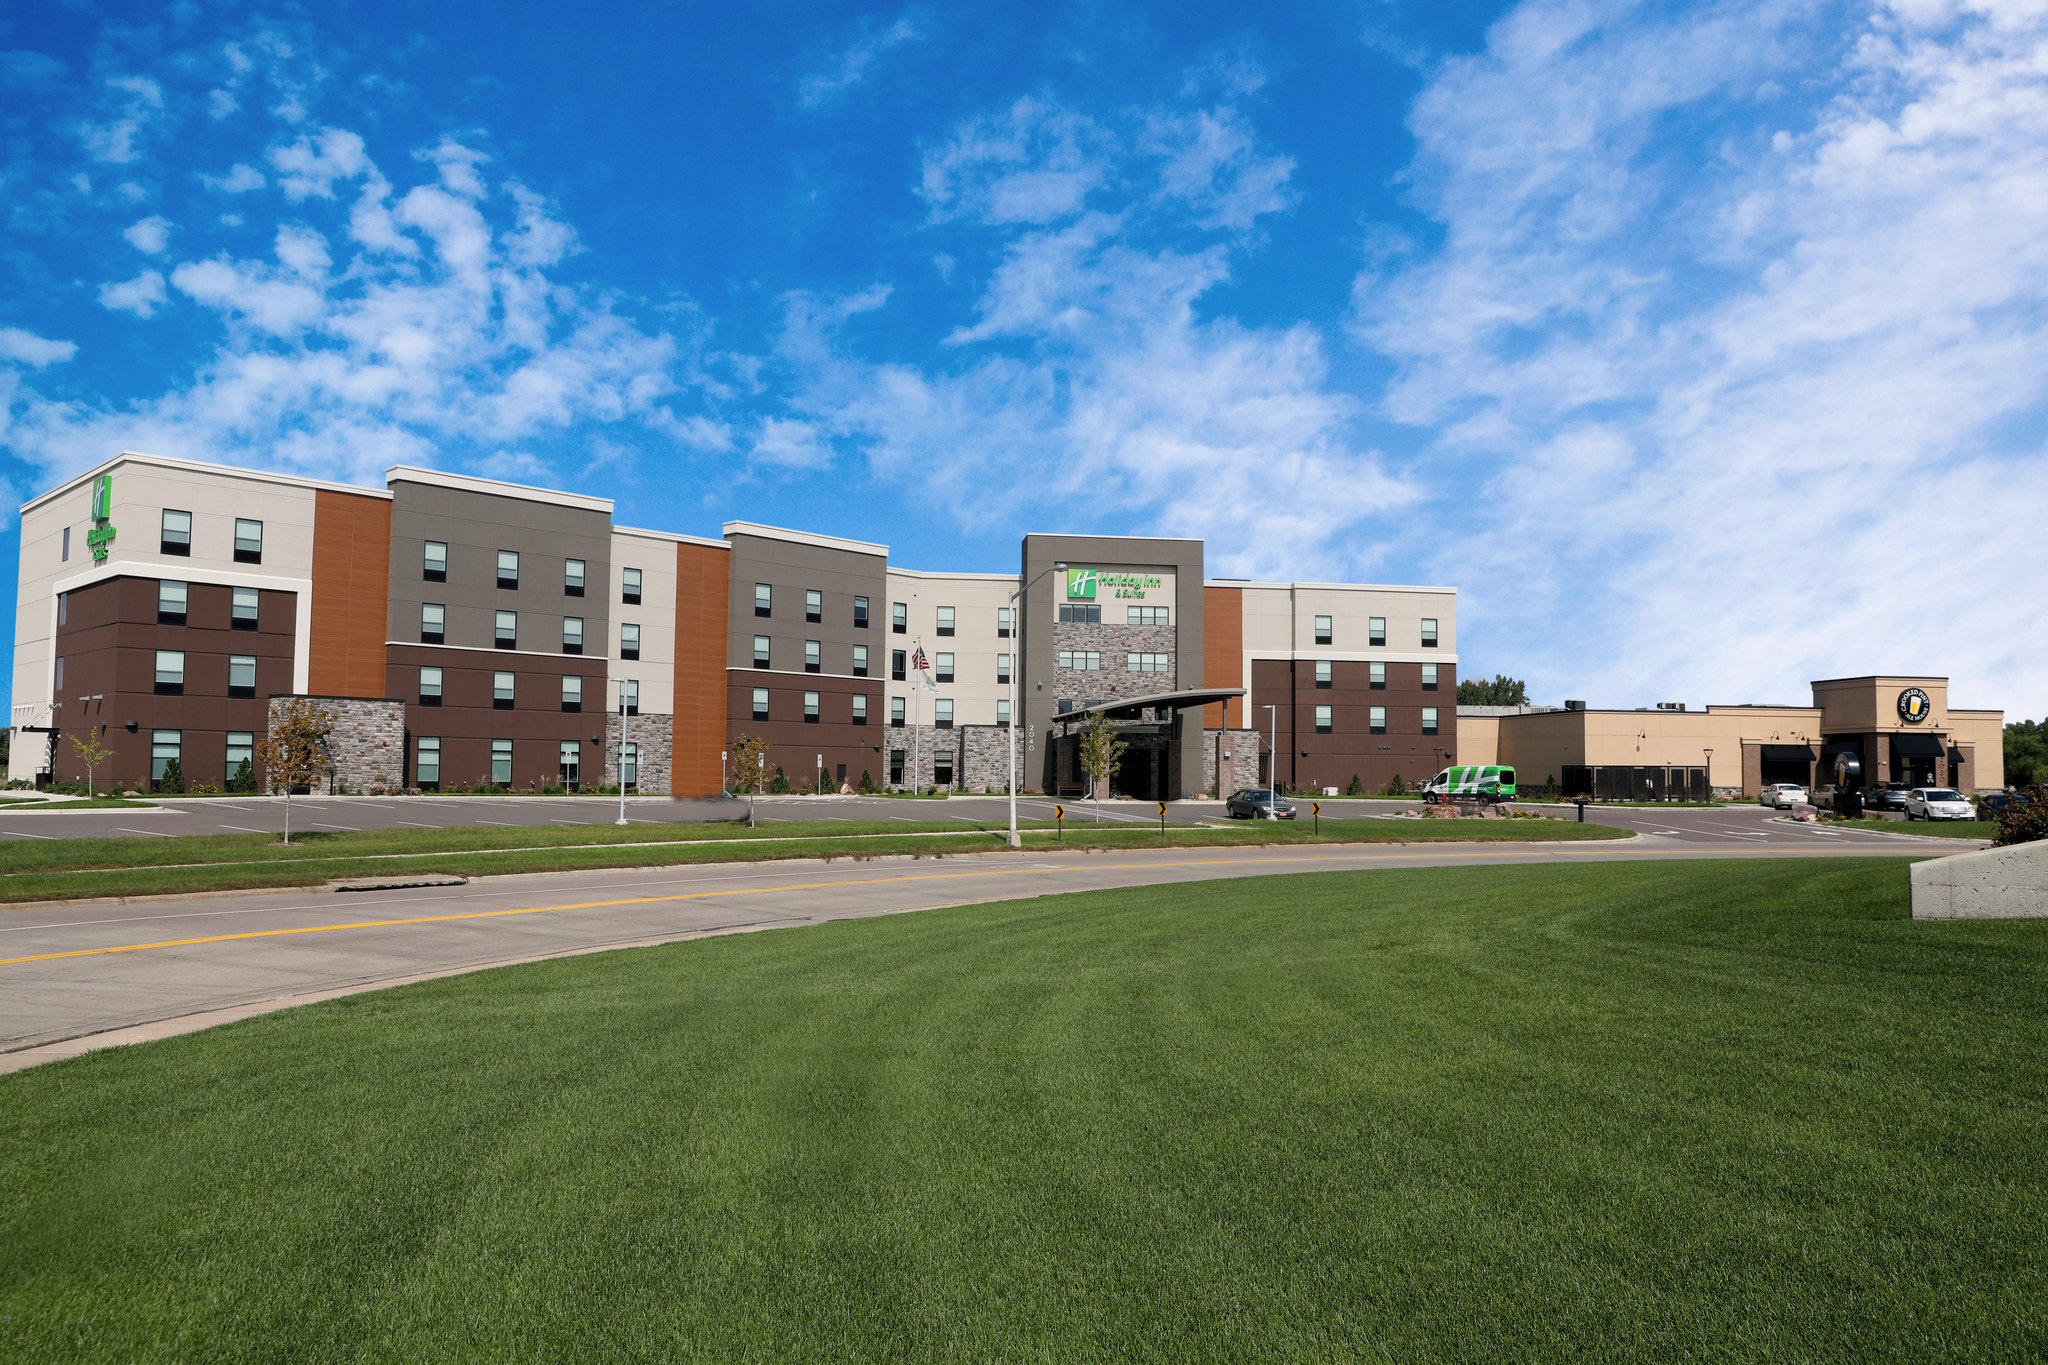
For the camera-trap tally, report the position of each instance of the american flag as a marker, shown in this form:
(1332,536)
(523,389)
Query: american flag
(918,661)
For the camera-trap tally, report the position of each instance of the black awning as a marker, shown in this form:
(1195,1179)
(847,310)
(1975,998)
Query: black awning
(1917,745)
(1788,753)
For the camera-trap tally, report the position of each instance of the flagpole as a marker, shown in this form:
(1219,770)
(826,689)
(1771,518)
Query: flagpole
(917,706)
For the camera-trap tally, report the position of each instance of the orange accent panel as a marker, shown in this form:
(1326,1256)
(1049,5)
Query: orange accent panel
(1222,653)
(351,594)
(703,579)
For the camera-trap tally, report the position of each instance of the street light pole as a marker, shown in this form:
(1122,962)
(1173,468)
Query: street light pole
(622,753)
(1017,668)
(1273,766)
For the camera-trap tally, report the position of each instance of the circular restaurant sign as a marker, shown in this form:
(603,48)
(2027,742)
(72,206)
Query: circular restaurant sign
(1913,705)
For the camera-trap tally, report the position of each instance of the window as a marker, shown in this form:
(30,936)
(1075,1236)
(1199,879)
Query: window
(241,749)
(1148,616)
(814,605)
(1429,677)
(1002,668)
(899,618)
(945,620)
(896,713)
(944,668)
(860,661)
(629,589)
(1088,660)
(760,703)
(248,541)
(176,538)
(942,770)
(942,713)
(426,763)
(629,765)
(1429,632)
(572,578)
(64,553)
(1377,628)
(812,662)
(1081,613)
(1378,719)
(760,651)
(60,672)
(241,675)
(247,609)
(430,687)
(572,635)
(571,762)
(1324,630)
(860,613)
(1148,663)
(572,692)
(508,568)
(164,749)
(860,708)
(170,603)
(170,673)
(1322,720)
(896,665)
(63,608)
(1323,674)
(1429,720)
(810,708)
(629,640)
(896,757)
(1002,710)
(433,623)
(1376,676)
(508,630)
(1003,622)
(501,692)
(629,695)
(434,562)
(501,762)
(764,600)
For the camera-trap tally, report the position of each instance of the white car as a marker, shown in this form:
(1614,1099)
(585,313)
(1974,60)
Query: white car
(1783,795)
(1938,803)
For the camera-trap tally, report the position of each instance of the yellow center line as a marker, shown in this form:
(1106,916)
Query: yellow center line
(801,886)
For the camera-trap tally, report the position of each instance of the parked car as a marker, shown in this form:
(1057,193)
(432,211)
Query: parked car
(1823,798)
(1886,796)
(1994,804)
(1938,803)
(1256,803)
(1783,795)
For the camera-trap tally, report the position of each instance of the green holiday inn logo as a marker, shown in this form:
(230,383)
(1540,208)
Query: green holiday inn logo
(1085,584)
(1080,582)
(102,533)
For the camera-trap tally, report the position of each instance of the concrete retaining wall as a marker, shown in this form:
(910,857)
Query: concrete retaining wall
(1996,883)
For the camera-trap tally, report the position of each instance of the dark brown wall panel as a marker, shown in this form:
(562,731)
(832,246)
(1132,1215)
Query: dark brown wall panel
(703,583)
(351,576)
(1308,759)
(1223,654)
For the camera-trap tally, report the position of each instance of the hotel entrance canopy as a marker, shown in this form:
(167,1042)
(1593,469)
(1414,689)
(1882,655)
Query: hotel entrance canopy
(1129,708)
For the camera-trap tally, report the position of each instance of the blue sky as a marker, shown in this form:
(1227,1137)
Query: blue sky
(1701,346)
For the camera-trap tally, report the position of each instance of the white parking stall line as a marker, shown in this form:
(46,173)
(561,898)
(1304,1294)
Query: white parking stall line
(414,824)
(246,829)
(23,834)
(152,833)
(501,824)
(317,825)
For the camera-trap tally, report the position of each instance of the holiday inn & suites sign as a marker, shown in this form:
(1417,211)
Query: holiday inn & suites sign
(102,533)
(1085,585)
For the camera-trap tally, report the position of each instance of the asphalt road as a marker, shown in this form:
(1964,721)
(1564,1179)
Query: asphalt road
(252,815)
(77,976)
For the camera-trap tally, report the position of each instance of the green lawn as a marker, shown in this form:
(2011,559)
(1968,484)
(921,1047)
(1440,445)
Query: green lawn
(1951,829)
(1696,1110)
(72,868)
(30,805)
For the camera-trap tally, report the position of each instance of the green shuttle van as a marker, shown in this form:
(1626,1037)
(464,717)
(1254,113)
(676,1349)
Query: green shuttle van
(1487,782)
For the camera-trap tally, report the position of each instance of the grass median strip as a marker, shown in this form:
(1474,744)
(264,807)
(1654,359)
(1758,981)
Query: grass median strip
(1946,829)
(121,867)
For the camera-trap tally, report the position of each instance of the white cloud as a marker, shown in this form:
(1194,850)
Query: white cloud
(458,167)
(1757,399)
(785,443)
(1035,162)
(246,290)
(854,64)
(141,296)
(26,348)
(308,167)
(240,179)
(303,251)
(150,236)
(130,107)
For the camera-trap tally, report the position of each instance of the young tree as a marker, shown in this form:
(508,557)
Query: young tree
(1101,749)
(1500,691)
(749,769)
(91,753)
(294,753)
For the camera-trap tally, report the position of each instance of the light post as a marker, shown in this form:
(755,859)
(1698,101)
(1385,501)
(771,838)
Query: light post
(1710,773)
(1016,668)
(1273,768)
(622,753)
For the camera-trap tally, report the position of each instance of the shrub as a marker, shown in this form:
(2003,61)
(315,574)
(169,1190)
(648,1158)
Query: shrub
(1357,788)
(2024,824)
(866,785)
(243,779)
(778,785)
(172,783)
(1397,787)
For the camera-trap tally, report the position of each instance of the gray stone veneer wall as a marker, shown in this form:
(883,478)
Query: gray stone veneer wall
(656,736)
(1115,681)
(1238,754)
(366,748)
